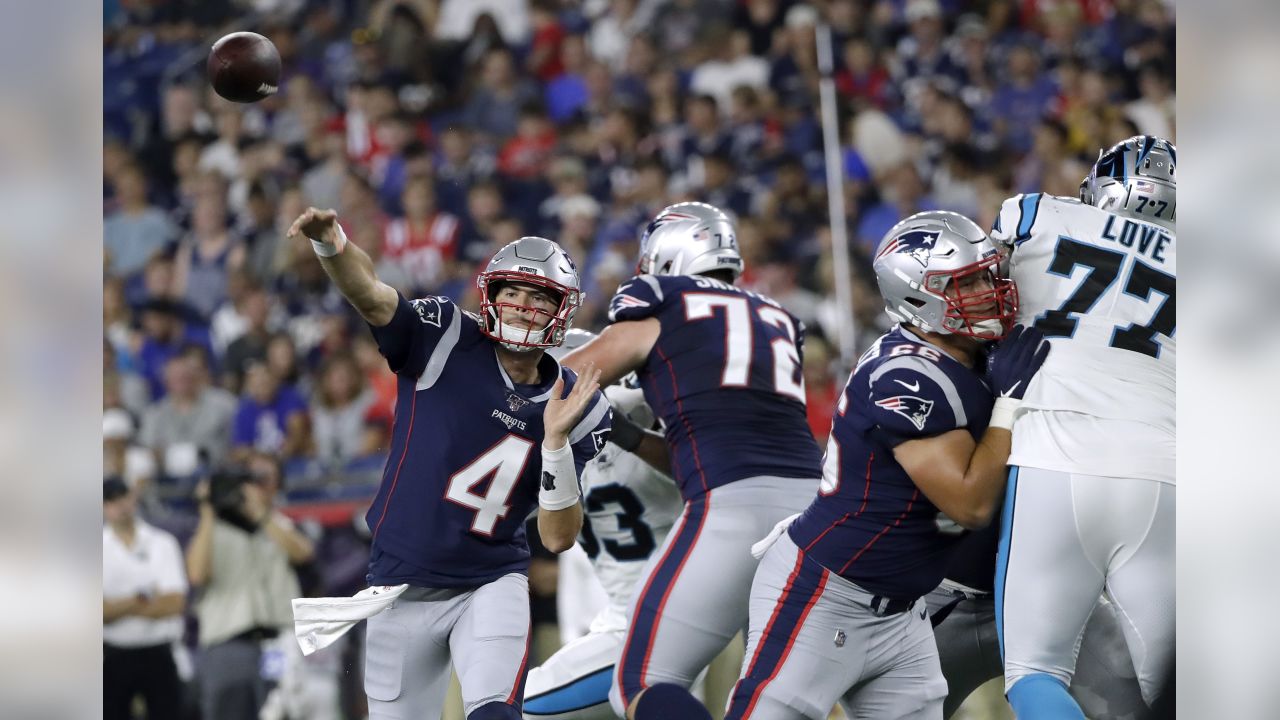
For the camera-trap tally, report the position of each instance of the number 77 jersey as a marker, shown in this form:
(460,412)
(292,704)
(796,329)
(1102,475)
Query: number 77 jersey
(725,377)
(1103,288)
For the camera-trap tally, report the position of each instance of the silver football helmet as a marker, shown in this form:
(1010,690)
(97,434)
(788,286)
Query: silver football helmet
(1135,178)
(530,261)
(930,268)
(573,339)
(690,238)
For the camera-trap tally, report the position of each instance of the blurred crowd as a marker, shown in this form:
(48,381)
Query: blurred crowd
(441,130)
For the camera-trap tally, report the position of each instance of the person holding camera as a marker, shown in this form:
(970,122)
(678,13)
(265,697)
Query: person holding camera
(242,560)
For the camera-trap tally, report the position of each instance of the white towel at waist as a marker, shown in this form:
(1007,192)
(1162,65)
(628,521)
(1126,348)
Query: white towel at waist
(318,622)
(760,548)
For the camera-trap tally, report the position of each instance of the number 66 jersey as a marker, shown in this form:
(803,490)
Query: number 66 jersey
(1103,289)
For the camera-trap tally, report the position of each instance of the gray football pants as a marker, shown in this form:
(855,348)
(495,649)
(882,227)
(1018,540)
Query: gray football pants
(693,598)
(814,640)
(483,632)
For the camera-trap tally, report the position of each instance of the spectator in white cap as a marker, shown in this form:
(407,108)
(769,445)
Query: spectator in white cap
(120,456)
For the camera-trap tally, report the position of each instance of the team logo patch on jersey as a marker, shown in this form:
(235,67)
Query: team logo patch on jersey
(600,437)
(515,402)
(428,310)
(918,244)
(910,407)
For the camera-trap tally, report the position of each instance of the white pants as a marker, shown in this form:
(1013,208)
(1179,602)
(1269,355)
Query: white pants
(1065,539)
(409,647)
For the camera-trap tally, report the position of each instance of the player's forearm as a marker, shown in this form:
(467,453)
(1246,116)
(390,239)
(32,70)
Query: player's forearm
(653,449)
(647,445)
(985,477)
(559,528)
(352,272)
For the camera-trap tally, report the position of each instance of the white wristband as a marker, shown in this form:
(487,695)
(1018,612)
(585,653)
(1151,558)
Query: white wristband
(328,249)
(1003,411)
(558,488)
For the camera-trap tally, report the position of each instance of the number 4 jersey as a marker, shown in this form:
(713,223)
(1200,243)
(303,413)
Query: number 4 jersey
(1103,288)
(725,378)
(465,462)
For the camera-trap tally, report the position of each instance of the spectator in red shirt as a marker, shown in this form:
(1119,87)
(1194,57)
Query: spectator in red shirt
(544,54)
(820,387)
(424,241)
(863,77)
(526,155)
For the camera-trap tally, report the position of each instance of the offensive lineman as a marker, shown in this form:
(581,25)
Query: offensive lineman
(1091,496)
(630,507)
(721,367)
(494,440)
(917,454)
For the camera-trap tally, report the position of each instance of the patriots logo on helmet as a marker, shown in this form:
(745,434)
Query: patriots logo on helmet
(910,407)
(917,243)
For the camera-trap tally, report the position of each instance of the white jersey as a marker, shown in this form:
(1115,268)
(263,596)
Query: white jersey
(630,507)
(1103,288)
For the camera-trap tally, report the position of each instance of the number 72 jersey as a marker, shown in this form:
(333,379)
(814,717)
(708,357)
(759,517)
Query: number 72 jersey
(1103,288)
(725,377)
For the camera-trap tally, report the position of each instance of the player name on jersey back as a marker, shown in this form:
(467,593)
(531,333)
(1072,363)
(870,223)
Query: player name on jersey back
(1103,288)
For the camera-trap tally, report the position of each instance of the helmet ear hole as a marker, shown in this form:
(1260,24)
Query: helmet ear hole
(915,302)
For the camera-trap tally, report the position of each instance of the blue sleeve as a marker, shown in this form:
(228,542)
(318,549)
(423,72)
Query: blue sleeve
(911,398)
(414,331)
(592,432)
(636,299)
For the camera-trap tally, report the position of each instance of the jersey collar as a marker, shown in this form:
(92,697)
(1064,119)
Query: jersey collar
(544,387)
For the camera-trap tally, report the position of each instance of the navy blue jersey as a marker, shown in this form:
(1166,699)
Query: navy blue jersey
(973,562)
(462,476)
(725,377)
(870,523)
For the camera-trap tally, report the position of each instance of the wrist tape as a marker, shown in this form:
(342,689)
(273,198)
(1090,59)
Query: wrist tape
(328,249)
(1003,411)
(559,483)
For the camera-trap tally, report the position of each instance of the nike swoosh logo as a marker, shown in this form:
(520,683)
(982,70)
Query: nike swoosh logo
(1008,392)
(913,388)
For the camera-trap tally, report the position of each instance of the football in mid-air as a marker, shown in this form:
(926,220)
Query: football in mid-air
(244,67)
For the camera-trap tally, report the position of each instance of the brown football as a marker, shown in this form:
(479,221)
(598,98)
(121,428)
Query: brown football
(244,67)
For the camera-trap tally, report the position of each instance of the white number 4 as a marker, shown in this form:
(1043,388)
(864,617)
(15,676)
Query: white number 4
(505,462)
(737,356)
